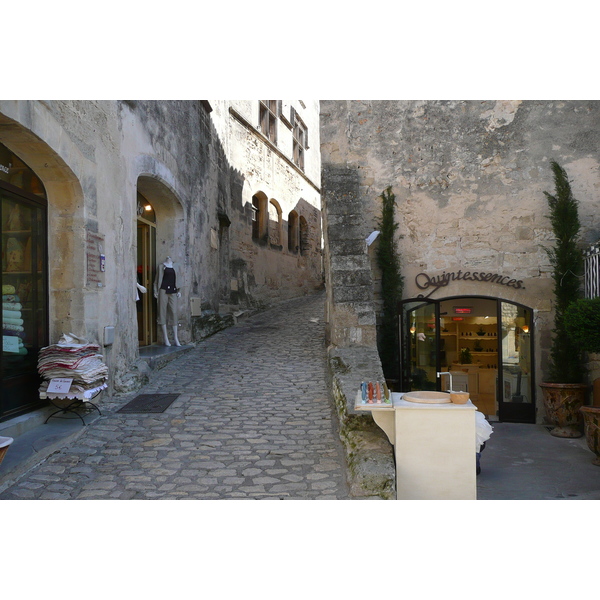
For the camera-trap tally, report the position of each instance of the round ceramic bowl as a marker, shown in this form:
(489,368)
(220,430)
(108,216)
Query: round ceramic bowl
(459,397)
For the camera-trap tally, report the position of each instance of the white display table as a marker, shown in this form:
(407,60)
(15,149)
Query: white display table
(434,445)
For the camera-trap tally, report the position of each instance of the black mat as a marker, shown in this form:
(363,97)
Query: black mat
(149,403)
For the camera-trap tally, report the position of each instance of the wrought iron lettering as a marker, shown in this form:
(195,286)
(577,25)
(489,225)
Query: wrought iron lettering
(425,282)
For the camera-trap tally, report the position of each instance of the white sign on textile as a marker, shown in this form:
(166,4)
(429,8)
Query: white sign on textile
(59,385)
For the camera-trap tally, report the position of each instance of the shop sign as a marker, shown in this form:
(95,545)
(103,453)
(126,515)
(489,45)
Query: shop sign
(95,259)
(425,282)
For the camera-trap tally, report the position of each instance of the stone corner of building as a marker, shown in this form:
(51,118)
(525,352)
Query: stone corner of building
(370,455)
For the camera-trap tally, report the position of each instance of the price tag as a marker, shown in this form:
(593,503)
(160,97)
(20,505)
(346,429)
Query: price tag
(59,386)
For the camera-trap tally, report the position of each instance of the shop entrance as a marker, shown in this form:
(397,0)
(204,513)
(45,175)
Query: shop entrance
(485,343)
(146,267)
(24,280)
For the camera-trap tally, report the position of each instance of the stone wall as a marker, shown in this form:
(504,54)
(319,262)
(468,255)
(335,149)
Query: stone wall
(198,167)
(348,270)
(275,268)
(351,333)
(370,455)
(469,179)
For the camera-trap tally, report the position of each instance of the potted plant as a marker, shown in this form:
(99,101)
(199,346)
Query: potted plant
(582,320)
(465,356)
(563,388)
(481,331)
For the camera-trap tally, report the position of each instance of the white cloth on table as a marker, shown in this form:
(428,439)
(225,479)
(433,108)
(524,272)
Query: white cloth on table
(483,430)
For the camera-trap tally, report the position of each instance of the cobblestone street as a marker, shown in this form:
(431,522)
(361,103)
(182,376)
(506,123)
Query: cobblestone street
(253,421)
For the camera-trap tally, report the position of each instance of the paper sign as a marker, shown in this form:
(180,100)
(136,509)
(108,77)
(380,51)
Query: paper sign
(10,343)
(96,260)
(59,386)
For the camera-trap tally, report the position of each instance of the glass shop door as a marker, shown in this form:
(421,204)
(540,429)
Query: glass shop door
(499,367)
(420,345)
(24,277)
(516,399)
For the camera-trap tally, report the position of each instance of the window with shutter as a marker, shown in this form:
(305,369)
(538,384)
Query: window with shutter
(267,114)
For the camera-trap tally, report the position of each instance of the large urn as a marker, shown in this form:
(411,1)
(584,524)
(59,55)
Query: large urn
(591,424)
(563,402)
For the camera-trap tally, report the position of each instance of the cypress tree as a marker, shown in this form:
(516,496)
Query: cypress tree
(565,364)
(391,287)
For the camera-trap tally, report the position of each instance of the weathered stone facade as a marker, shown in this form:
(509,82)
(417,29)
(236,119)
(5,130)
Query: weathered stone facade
(469,179)
(199,164)
(279,264)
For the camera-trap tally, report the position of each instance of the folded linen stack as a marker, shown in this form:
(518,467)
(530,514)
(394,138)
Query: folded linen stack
(73,358)
(13,330)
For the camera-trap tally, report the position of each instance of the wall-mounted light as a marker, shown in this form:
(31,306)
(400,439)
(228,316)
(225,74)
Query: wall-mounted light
(147,207)
(372,237)
(525,328)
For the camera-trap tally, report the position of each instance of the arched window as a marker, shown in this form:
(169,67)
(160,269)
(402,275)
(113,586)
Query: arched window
(293,232)
(274,223)
(259,217)
(304,238)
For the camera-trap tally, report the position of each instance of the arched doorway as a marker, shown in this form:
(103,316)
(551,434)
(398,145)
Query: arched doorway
(160,233)
(485,343)
(146,267)
(24,280)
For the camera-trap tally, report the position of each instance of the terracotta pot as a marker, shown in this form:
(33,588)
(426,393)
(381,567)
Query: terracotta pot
(562,402)
(591,423)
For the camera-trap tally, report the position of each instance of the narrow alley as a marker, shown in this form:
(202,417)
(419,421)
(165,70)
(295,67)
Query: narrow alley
(253,420)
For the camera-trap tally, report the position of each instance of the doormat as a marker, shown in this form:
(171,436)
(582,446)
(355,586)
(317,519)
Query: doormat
(149,403)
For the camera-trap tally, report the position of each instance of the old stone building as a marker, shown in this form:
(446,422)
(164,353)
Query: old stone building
(96,194)
(469,179)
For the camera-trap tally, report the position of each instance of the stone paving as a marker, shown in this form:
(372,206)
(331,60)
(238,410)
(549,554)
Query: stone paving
(254,420)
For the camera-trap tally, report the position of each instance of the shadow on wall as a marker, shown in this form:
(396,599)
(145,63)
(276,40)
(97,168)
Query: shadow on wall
(195,205)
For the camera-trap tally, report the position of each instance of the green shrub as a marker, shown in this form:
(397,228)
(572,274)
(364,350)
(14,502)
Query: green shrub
(582,323)
(391,287)
(565,365)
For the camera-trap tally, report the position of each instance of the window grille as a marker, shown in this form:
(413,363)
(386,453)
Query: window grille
(592,271)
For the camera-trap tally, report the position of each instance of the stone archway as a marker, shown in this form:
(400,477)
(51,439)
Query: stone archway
(66,274)
(170,230)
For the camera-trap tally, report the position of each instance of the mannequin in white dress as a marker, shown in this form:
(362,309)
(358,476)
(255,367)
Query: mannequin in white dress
(167,292)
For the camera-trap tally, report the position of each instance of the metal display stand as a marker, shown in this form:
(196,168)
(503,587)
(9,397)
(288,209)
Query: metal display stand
(78,402)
